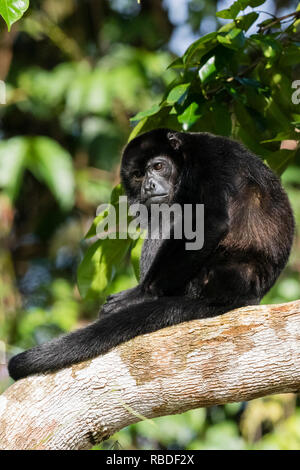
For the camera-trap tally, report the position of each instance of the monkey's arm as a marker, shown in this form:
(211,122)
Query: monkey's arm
(174,265)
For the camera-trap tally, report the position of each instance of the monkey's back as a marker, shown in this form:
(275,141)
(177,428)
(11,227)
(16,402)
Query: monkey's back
(256,247)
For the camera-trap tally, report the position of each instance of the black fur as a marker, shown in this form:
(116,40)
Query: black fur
(249,231)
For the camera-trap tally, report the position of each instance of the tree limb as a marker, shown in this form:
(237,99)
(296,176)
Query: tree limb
(241,355)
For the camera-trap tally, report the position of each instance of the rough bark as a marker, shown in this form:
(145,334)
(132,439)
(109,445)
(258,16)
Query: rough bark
(244,354)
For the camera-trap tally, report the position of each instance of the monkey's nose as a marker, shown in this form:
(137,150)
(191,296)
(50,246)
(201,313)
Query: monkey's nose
(150,186)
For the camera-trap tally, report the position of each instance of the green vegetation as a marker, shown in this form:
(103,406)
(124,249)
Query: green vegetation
(12,10)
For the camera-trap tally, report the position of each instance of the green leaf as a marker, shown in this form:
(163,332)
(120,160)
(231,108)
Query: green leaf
(190,115)
(12,164)
(228,26)
(149,112)
(221,118)
(178,93)
(137,129)
(176,64)
(276,114)
(254,3)
(292,135)
(52,165)
(199,48)
(12,10)
(46,159)
(271,48)
(97,269)
(227,14)
(280,160)
(231,12)
(235,39)
(215,118)
(253,123)
(244,22)
(160,119)
(114,201)
(208,71)
(251,82)
(290,55)
(241,133)
(136,255)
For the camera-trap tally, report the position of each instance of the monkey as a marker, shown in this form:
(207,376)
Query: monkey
(248,234)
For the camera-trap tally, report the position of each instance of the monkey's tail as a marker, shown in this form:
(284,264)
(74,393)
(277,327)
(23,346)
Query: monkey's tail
(108,332)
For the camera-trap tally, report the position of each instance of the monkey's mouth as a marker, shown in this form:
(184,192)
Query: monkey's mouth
(157,198)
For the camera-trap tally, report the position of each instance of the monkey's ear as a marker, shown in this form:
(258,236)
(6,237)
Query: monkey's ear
(175,140)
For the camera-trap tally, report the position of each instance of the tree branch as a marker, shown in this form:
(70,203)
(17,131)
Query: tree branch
(241,355)
(296,14)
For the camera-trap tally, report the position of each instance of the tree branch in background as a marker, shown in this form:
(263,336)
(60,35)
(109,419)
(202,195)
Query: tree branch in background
(296,14)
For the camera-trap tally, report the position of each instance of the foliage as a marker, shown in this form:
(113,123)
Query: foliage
(233,84)
(102,257)
(12,10)
(42,156)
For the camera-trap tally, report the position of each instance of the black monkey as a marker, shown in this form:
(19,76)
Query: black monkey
(248,233)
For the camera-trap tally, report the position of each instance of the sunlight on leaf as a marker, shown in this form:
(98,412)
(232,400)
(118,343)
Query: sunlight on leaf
(12,10)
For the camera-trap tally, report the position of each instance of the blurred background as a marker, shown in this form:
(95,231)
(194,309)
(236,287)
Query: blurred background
(75,73)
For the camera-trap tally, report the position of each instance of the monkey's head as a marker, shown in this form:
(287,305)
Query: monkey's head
(151,167)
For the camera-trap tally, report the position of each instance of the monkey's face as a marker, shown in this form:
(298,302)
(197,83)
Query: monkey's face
(158,180)
(152,167)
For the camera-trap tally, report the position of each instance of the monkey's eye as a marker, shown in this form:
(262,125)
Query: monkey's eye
(158,166)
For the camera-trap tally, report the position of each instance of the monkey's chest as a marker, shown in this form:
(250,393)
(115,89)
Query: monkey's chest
(149,250)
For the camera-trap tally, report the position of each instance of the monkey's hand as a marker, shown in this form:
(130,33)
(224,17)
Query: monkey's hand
(122,300)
